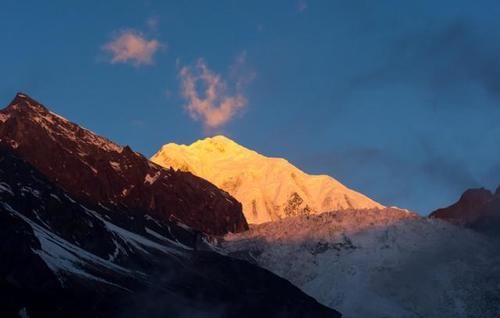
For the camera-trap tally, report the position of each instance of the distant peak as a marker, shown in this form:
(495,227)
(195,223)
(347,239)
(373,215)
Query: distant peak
(477,195)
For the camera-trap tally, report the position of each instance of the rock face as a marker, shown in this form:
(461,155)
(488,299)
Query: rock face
(476,208)
(93,168)
(268,188)
(62,256)
(473,205)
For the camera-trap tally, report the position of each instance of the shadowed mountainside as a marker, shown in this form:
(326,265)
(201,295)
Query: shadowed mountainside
(65,257)
(93,168)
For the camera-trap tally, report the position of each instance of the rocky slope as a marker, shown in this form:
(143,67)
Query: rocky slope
(62,256)
(380,263)
(268,188)
(477,208)
(93,168)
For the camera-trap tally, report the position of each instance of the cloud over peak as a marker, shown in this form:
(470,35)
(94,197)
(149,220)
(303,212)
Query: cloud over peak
(214,106)
(132,47)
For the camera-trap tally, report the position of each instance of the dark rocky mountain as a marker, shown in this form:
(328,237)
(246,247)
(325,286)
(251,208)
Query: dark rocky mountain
(95,169)
(63,256)
(477,208)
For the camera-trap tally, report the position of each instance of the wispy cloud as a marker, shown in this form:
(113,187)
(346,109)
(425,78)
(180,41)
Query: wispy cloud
(132,47)
(208,95)
(302,6)
(152,23)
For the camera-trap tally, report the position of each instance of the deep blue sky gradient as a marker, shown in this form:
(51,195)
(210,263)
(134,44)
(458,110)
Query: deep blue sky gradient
(397,99)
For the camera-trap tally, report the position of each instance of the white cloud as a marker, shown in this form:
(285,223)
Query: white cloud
(215,107)
(132,47)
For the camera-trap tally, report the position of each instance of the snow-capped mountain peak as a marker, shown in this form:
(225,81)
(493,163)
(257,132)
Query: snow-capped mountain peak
(268,188)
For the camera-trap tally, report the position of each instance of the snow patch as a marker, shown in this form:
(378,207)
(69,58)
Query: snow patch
(62,256)
(35,193)
(135,240)
(23,313)
(3,117)
(4,187)
(55,197)
(163,238)
(69,198)
(150,179)
(115,165)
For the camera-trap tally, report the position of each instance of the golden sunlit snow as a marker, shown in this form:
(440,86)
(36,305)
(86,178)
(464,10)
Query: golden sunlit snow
(268,188)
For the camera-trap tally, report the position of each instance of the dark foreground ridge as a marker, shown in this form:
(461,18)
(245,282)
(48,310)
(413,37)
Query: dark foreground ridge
(94,169)
(65,257)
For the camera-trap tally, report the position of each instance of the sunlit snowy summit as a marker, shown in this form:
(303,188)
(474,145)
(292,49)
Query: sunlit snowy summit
(268,188)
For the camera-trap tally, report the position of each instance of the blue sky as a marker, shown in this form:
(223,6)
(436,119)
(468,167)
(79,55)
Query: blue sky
(398,100)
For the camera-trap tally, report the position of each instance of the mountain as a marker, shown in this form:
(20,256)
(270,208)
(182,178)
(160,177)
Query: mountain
(62,256)
(476,208)
(93,168)
(379,263)
(268,188)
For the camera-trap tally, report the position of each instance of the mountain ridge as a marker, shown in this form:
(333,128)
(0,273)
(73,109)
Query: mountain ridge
(94,168)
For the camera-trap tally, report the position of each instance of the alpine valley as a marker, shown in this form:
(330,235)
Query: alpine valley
(90,228)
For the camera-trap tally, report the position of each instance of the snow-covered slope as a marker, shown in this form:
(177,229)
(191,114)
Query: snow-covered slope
(380,263)
(268,188)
